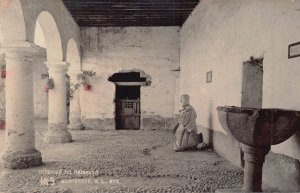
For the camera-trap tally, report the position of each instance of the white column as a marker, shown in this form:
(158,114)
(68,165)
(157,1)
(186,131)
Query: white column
(75,111)
(57,117)
(20,151)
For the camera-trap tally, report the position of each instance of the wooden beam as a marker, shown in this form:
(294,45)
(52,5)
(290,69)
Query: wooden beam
(130,1)
(123,24)
(130,12)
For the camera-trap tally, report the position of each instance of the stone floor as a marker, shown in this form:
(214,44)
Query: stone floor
(120,161)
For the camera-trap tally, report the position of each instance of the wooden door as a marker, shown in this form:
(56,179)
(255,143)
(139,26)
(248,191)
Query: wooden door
(128,114)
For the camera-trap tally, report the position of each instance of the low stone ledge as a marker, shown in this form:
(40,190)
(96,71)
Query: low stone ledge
(282,172)
(159,123)
(147,123)
(99,124)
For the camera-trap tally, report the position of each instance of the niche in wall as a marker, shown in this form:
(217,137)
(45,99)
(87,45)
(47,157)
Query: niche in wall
(209,77)
(252,83)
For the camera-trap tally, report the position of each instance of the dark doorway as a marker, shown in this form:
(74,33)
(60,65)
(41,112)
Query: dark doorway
(127,99)
(128,111)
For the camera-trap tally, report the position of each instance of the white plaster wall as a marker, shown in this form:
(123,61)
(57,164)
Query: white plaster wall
(219,35)
(154,50)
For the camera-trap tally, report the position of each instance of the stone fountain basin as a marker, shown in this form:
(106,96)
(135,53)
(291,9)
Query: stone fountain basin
(259,127)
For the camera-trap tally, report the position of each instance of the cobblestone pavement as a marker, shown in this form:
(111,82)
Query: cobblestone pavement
(121,161)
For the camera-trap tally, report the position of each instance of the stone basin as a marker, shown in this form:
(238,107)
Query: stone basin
(259,127)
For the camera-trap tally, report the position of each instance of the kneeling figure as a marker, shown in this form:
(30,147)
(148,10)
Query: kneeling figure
(186,132)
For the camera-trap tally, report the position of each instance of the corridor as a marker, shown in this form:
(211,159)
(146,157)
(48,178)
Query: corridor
(91,92)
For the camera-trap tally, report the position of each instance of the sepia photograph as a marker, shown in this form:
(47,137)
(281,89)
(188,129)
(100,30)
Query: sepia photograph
(146,96)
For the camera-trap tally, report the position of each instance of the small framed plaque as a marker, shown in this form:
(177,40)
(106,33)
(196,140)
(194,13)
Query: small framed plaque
(294,50)
(45,76)
(209,77)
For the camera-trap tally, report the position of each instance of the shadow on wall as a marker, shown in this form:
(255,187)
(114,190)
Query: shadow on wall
(223,143)
(297,139)
(210,126)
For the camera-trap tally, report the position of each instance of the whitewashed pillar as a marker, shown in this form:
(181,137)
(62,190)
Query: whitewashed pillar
(20,151)
(57,117)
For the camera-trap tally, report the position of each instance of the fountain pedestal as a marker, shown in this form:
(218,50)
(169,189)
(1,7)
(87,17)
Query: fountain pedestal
(254,159)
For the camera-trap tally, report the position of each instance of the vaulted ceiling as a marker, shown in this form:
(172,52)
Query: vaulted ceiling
(106,13)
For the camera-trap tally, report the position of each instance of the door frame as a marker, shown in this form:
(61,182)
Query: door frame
(140,84)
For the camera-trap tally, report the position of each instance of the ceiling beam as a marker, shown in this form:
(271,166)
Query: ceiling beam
(130,12)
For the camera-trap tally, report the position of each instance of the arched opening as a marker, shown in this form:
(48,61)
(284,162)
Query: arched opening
(39,37)
(48,38)
(39,68)
(73,56)
(128,98)
(51,36)
(12,24)
(57,111)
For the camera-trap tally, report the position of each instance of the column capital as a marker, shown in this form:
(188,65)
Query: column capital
(16,44)
(74,72)
(19,50)
(254,154)
(57,66)
(57,63)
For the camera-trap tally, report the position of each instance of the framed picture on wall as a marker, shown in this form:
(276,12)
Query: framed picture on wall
(294,50)
(209,77)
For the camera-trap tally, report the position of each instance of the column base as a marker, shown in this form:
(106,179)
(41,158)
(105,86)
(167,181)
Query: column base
(231,190)
(76,127)
(228,190)
(58,137)
(21,159)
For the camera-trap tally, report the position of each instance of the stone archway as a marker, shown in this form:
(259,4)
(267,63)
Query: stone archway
(12,21)
(52,36)
(57,112)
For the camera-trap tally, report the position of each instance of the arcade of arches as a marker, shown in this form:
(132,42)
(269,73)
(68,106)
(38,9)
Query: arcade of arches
(90,86)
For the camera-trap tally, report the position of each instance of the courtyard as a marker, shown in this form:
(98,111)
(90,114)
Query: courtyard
(120,161)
